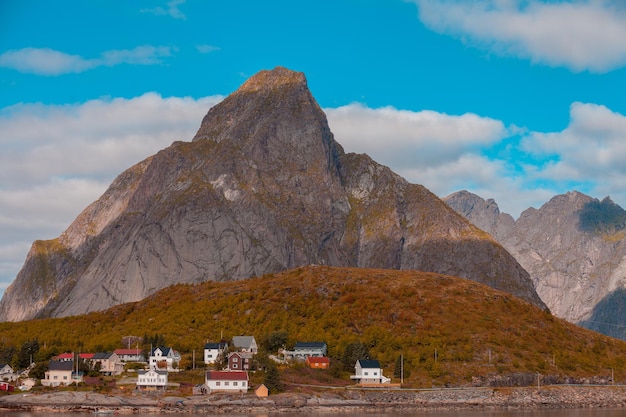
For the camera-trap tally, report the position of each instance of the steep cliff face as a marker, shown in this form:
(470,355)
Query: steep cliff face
(262,187)
(573,247)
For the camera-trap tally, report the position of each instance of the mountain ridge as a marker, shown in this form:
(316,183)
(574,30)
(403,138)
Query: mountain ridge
(262,187)
(481,335)
(574,248)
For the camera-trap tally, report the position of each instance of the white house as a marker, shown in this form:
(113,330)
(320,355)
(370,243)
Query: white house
(213,350)
(368,371)
(152,379)
(6,372)
(302,350)
(110,363)
(226,381)
(130,355)
(245,344)
(164,358)
(61,373)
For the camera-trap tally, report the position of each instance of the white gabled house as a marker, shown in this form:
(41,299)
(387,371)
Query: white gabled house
(61,373)
(110,363)
(245,344)
(164,358)
(213,350)
(303,350)
(226,381)
(6,372)
(130,355)
(368,371)
(151,379)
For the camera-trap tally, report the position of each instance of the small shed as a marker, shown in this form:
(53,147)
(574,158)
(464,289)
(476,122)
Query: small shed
(261,391)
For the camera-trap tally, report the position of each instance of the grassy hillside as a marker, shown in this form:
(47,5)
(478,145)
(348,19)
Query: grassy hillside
(449,330)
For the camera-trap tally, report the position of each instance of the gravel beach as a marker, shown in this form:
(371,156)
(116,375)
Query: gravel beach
(347,400)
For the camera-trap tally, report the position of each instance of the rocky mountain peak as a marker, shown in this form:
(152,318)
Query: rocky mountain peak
(262,187)
(272,121)
(269,80)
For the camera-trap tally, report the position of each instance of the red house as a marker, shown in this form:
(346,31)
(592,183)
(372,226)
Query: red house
(5,386)
(317,362)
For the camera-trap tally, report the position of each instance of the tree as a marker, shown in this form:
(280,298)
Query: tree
(275,340)
(400,369)
(272,380)
(25,355)
(39,370)
(352,353)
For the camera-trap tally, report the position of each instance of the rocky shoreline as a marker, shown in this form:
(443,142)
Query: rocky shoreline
(347,400)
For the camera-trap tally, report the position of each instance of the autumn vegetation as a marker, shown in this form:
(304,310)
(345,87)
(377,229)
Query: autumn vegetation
(444,331)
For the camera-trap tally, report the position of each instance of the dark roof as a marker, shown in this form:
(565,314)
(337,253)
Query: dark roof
(369,363)
(61,365)
(101,355)
(310,345)
(215,345)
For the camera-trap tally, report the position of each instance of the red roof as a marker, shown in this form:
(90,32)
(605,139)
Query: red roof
(67,355)
(227,375)
(86,355)
(317,359)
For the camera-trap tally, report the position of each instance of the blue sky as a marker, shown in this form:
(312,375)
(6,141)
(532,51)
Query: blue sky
(513,100)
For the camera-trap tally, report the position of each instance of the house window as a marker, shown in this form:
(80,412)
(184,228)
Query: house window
(235,359)
(234,366)
(235,383)
(365,373)
(227,383)
(218,383)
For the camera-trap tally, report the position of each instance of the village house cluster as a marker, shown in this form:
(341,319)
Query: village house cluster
(232,362)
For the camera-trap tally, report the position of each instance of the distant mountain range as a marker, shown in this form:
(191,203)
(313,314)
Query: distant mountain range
(574,248)
(263,187)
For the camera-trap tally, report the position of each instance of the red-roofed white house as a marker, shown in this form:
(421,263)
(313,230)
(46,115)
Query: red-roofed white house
(130,355)
(226,381)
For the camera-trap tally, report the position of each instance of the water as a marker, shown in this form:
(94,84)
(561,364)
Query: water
(465,413)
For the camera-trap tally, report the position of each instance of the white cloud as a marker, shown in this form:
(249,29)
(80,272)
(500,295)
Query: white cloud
(45,61)
(172,10)
(580,35)
(55,160)
(404,139)
(590,149)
